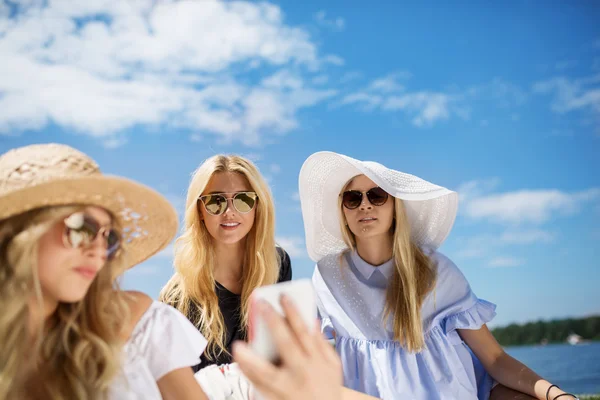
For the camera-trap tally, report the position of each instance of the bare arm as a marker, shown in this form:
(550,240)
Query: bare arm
(348,394)
(504,368)
(180,384)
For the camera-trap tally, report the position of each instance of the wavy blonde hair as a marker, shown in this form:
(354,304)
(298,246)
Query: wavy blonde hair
(192,288)
(76,353)
(414,277)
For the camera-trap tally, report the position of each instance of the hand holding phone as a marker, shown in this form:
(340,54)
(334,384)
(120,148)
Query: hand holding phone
(300,292)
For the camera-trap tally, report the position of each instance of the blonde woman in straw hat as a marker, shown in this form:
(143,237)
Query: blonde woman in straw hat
(405,320)
(66,232)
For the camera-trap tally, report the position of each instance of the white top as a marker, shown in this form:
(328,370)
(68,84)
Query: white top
(162,341)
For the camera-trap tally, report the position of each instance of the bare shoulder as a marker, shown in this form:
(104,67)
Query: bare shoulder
(138,303)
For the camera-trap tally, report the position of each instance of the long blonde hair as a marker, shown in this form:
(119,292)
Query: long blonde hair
(414,277)
(76,353)
(192,288)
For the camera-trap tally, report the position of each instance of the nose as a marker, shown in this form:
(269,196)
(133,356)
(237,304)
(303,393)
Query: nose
(365,204)
(230,209)
(97,249)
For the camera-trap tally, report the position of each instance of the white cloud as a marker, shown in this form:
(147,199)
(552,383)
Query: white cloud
(572,94)
(254,157)
(478,201)
(143,63)
(337,24)
(350,76)
(366,101)
(426,107)
(114,142)
(275,168)
(486,245)
(294,245)
(505,262)
(476,188)
(334,59)
(296,196)
(389,83)
(528,206)
(527,237)
(320,80)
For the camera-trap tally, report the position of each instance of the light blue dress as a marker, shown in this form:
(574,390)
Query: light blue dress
(351,299)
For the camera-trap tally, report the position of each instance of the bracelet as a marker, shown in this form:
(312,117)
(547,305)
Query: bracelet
(567,394)
(548,392)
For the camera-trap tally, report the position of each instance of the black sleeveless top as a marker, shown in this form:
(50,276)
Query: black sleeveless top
(230,304)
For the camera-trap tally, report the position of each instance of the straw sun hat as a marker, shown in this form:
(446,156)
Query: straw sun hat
(431,209)
(53,174)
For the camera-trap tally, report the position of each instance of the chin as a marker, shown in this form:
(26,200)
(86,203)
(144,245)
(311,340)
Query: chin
(226,239)
(74,296)
(369,233)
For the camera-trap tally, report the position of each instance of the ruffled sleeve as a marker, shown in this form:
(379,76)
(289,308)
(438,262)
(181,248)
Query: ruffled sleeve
(453,305)
(167,340)
(474,317)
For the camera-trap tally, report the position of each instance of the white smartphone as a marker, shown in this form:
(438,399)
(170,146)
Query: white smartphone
(302,294)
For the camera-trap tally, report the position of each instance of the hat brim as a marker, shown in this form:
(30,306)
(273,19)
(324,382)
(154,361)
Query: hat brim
(431,209)
(148,221)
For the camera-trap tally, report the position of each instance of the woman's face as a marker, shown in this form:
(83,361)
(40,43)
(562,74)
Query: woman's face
(66,266)
(233,224)
(367,220)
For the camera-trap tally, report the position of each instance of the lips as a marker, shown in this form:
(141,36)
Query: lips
(86,272)
(230,225)
(367,219)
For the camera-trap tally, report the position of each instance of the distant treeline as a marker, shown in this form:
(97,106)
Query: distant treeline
(548,331)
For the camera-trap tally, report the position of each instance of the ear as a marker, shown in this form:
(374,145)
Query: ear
(198,208)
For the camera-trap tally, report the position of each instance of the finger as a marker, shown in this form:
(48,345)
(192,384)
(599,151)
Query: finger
(287,344)
(263,375)
(304,335)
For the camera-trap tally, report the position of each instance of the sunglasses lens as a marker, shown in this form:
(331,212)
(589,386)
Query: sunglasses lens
(352,199)
(215,204)
(244,202)
(113,243)
(377,196)
(81,231)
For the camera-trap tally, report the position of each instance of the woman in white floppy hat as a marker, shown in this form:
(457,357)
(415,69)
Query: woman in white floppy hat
(405,320)
(67,331)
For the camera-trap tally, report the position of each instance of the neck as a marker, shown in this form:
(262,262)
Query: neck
(39,312)
(375,250)
(229,261)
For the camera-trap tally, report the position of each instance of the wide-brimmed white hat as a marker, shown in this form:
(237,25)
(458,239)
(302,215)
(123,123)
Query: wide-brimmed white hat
(43,175)
(431,209)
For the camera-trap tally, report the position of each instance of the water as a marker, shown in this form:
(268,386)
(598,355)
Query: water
(575,369)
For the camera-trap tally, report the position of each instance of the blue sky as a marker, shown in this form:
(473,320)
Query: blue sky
(500,102)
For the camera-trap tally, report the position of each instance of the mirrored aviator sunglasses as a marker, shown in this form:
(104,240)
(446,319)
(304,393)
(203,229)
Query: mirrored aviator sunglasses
(351,199)
(81,230)
(217,203)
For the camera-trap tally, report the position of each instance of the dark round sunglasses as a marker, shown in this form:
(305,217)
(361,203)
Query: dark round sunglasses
(351,199)
(217,203)
(81,230)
